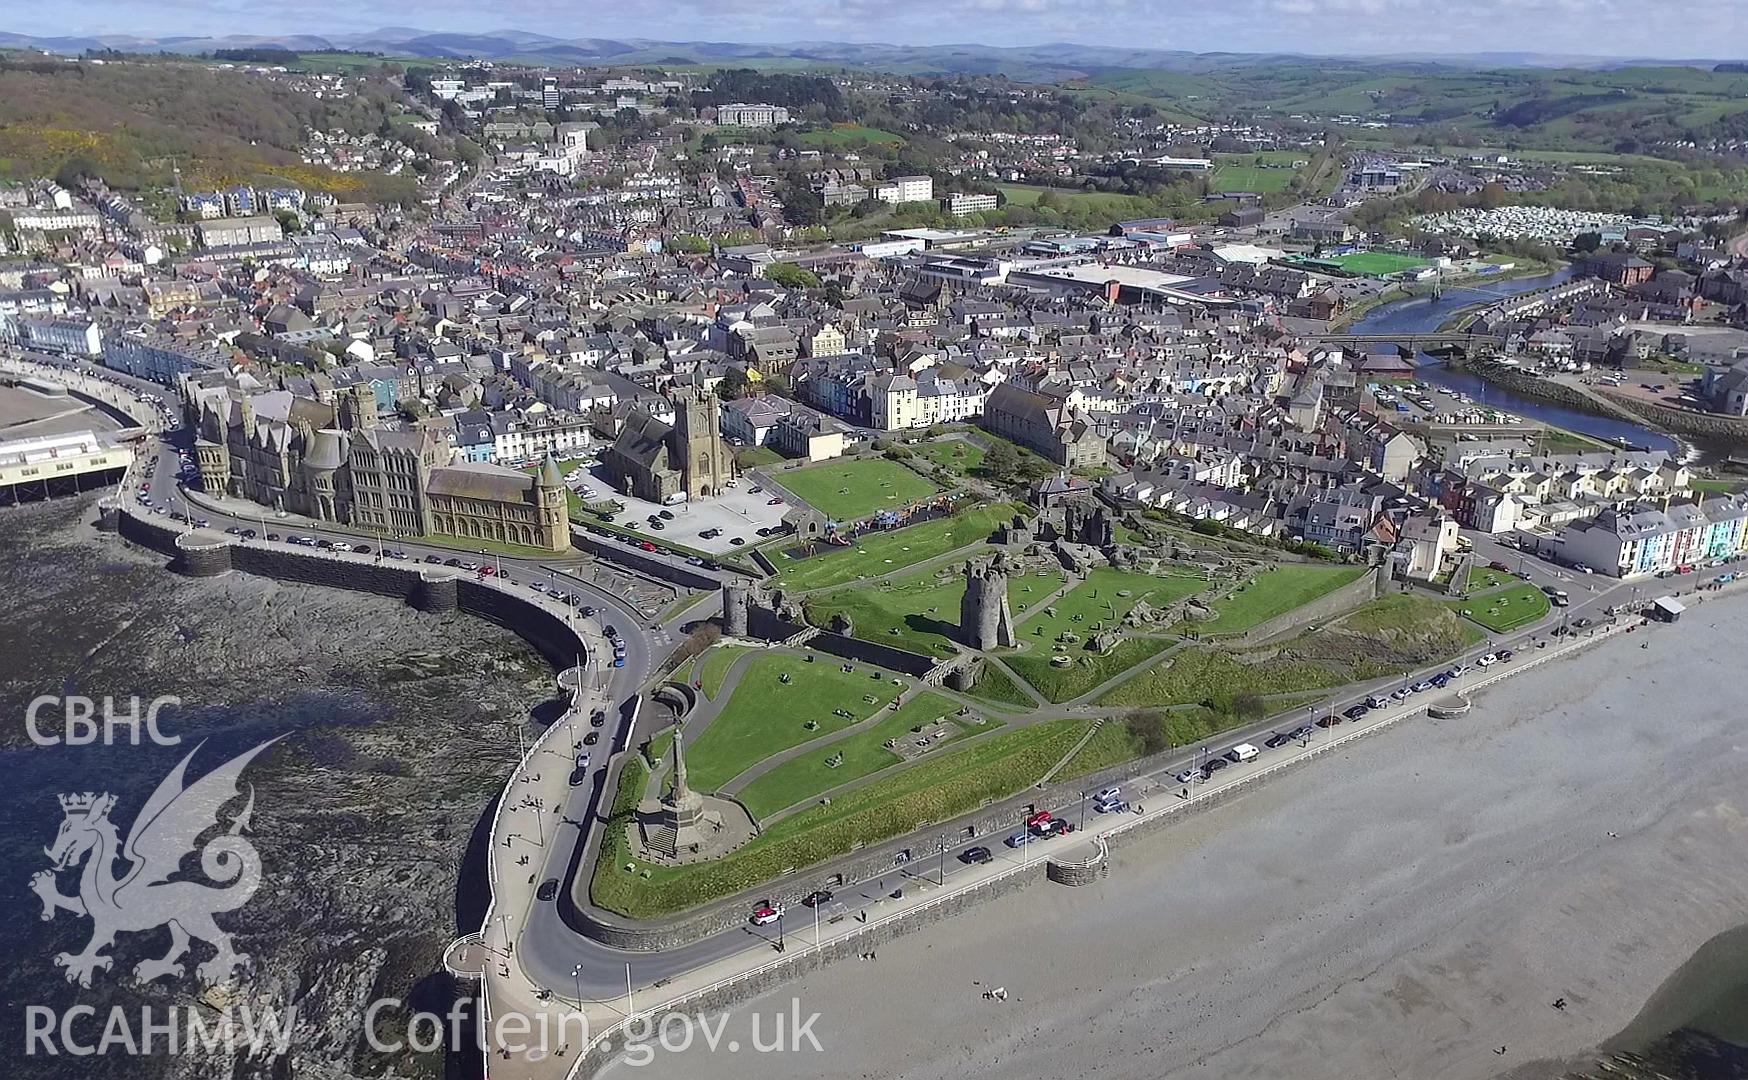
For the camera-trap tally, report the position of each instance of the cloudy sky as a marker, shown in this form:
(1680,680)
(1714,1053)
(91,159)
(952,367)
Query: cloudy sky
(1654,28)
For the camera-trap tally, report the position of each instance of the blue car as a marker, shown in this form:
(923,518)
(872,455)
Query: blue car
(619,661)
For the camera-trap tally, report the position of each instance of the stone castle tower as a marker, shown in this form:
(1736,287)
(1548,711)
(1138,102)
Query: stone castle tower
(706,463)
(985,619)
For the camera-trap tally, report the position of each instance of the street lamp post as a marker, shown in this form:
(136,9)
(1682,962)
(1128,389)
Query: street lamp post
(943,869)
(577,974)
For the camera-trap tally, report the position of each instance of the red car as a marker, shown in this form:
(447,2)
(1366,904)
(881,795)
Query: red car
(1038,820)
(1499,566)
(487,571)
(765,915)
(647,546)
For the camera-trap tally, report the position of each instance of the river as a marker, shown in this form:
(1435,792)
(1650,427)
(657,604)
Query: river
(1423,315)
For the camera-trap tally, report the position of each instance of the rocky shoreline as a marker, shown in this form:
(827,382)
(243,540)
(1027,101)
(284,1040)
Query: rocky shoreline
(400,728)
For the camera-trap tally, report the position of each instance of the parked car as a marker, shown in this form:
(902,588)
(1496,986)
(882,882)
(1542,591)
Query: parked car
(1356,712)
(1273,742)
(1188,775)
(765,915)
(1108,794)
(817,897)
(590,738)
(1020,839)
(1499,565)
(548,890)
(1115,806)
(1489,660)
(971,856)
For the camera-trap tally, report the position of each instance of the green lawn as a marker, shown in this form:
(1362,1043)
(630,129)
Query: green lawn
(1273,592)
(1377,263)
(888,552)
(1251,178)
(1088,671)
(839,136)
(766,715)
(713,666)
(995,685)
(960,455)
(850,489)
(920,613)
(1707,485)
(1099,603)
(1482,578)
(1506,609)
(863,753)
(1096,603)
(903,800)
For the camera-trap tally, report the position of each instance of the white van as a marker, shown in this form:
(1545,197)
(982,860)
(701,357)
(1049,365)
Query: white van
(1242,752)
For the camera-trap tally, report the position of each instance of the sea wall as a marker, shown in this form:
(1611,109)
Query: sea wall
(1681,421)
(436,590)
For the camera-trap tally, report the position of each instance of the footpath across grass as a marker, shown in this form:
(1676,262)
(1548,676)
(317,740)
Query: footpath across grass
(878,554)
(712,668)
(766,715)
(1273,592)
(851,489)
(904,800)
(858,755)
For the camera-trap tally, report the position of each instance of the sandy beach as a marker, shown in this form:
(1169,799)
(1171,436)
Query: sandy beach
(1405,908)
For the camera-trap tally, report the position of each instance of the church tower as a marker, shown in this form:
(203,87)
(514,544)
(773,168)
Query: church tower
(553,525)
(706,463)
